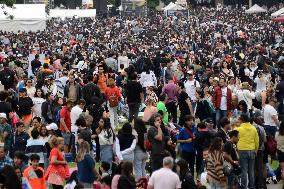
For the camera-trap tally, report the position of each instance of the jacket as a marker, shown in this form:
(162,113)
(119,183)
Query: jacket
(78,90)
(249,139)
(187,181)
(216,99)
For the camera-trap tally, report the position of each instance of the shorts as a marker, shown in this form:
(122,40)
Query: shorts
(67,137)
(280,156)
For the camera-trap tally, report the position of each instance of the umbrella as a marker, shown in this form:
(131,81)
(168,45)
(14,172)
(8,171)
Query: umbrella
(278,19)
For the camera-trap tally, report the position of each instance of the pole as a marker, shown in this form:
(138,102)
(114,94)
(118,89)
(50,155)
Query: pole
(250,3)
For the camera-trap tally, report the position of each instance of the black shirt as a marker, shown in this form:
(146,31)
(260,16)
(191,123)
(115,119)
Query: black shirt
(133,91)
(35,64)
(5,107)
(221,133)
(25,106)
(183,106)
(230,149)
(157,146)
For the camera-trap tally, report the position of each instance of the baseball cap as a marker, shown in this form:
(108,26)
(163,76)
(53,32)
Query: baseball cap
(52,126)
(3,115)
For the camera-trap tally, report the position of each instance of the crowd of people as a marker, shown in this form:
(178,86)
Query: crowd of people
(155,102)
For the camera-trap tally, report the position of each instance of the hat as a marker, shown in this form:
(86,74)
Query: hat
(215,79)
(190,72)
(52,126)
(3,115)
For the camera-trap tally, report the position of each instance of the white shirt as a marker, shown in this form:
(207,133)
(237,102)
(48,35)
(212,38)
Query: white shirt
(126,151)
(148,80)
(123,60)
(190,88)
(261,83)
(103,138)
(75,114)
(246,96)
(268,112)
(164,178)
(37,106)
(223,105)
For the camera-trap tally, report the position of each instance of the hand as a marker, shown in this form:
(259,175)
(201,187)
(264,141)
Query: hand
(67,131)
(189,140)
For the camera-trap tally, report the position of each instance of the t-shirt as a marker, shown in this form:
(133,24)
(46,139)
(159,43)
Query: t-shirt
(157,146)
(85,169)
(231,149)
(190,87)
(268,112)
(184,135)
(223,104)
(65,113)
(164,178)
(133,91)
(37,101)
(183,106)
(170,90)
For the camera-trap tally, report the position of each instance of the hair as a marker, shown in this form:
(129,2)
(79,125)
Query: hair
(244,104)
(201,125)
(140,127)
(107,127)
(81,121)
(42,93)
(18,124)
(73,177)
(153,118)
(81,101)
(281,129)
(38,119)
(188,118)
(162,97)
(54,142)
(111,82)
(200,92)
(10,178)
(35,133)
(126,128)
(216,145)
(245,118)
(19,155)
(127,168)
(34,157)
(233,133)
(168,161)
(224,121)
(105,165)
(40,131)
(84,148)
(183,166)
(180,84)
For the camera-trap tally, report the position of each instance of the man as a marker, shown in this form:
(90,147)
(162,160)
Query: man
(111,63)
(6,131)
(134,96)
(184,103)
(90,90)
(165,178)
(123,61)
(65,124)
(20,138)
(231,156)
(222,100)
(224,128)
(36,64)
(72,89)
(61,83)
(7,76)
(4,158)
(247,145)
(190,87)
(75,113)
(270,116)
(170,90)
(168,72)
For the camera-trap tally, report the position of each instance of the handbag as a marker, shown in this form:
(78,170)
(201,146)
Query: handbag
(271,145)
(227,168)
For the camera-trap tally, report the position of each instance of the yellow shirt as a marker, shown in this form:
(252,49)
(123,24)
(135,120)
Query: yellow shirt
(248,137)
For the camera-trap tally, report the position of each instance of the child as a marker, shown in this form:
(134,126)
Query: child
(105,166)
(35,174)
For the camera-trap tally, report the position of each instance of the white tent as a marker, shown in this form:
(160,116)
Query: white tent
(26,17)
(278,13)
(69,13)
(173,7)
(169,6)
(255,9)
(177,7)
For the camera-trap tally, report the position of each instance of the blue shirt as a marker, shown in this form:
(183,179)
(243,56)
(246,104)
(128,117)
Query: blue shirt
(184,135)
(5,161)
(85,169)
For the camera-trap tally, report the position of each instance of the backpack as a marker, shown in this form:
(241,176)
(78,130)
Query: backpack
(57,117)
(271,145)
(113,101)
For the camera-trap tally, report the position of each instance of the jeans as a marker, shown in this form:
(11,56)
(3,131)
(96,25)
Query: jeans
(172,109)
(220,114)
(215,186)
(140,158)
(113,116)
(247,163)
(190,158)
(128,157)
(106,154)
(133,111)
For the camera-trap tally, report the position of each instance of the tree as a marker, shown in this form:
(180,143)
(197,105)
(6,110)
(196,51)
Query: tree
(9,3)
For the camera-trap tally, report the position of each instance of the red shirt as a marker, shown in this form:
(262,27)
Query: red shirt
(65,113)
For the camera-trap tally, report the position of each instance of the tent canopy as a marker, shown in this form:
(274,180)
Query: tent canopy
(173,6)
(24,12)
(255,9)
(69,13)
(278,13)
(169,6)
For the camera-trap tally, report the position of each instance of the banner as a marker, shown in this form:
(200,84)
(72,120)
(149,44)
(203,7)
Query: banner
(134,7)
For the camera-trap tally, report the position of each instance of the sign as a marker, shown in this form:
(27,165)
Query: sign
(178,13)
(134,7)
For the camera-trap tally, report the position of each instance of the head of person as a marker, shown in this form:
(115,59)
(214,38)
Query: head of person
(222,82)
(19,158)
(36,122)
(244,118)
(57,142)
(35,133)
(155,119)
(242,106)
(39,93)
(3,151)
(188,120)
(105,166)
(71,78)
(43,132)
(29,83)
(101,69)
(18,172)
(81,103)
(11,180)
(20,127)
(34,160)
(69,103)
(180,85)
(216,144)
(168,162)
(89,120)
(273,101)
(139,126)
(81,122)
(3,118)
(234,136)
(201,126)
(127,168)
(126,129)
(182,167)
(199,94)
(190,75)
(163,97)
(84,148)
(225,123)
(111,82)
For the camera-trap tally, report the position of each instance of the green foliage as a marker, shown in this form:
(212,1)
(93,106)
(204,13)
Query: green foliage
(9,3)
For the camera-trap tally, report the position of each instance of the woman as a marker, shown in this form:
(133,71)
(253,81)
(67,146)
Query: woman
(36,123)
(215,174)
(225,70)
(25,105)
(57,170)
(280,147)
(150,109)
(126,180)
(140,153)
(10,178)
(151,95)
(43,134)
(187,180)
(203,110)
(125,143)
(38,99)
(207,95)
(147,79)
(30,88)
(106,140)
(24,181)
(186,139)
(86,166)
(113,96)
(241,109)
(246,94)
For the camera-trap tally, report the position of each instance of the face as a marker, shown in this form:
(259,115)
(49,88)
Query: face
(61,145)
(189,123)
(18,173)
(34,164)
(2,153)
(21,128)
(197,96)
(71,79)
(101,69)
(210,79)
(190,76)
(29,82)
(2,120)
(221,82)
(38,92)
(89,121)
(17,161)
(43,130)
(158,121)
(236,139)
(60,101)
(35,123)
(101,123)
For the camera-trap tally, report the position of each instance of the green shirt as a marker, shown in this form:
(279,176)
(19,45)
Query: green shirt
(161,106)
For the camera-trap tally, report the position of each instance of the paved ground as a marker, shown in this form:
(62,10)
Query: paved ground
(274,186)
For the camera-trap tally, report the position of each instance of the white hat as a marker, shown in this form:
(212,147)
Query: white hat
(190,72)
(52,126)
(3,115)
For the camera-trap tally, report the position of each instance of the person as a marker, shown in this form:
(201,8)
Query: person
(36,64)
(157,140)
(43,134)
(36,146)
(47,109)
(19,160)
(186,139)
(65,124)
(184,102)
(57,170)
(187,180)
(24,181)
(123,61)
(84,133)
(161,106)
(203,109)
(224,128)
(246,94)
(125,143)
(75,113)
(126,181)
(150,109)
(6,131)
(222,99)
(10,179)
(215,162)
(165,178)
(5,106)
(72,89)
(280,147)
(170,90)
(25,105)
(140,154)
(147,79)
(134,96)
(30,88)
(35,173)
(38,99)
(270,115)
(72,182)
(247,146)
(87,173)
(190,86)
(4,158)
(20,138)
(232,157)
(113,96)
(90,90)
